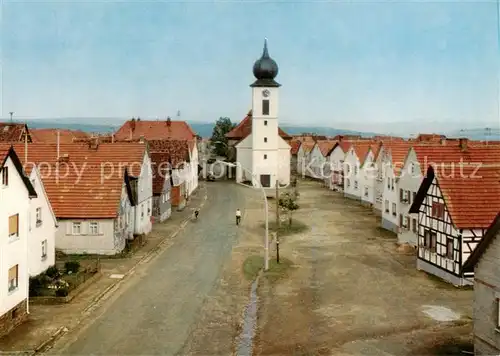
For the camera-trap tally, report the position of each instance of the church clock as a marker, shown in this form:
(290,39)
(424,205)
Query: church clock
(266,93)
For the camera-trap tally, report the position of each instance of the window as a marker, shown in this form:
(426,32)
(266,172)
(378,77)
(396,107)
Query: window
(388,183)
(265,156)
(348,183)
(414,223)
(401,220)
(265,122)
(366,191)
(5,176)
(38,216)
(77,228)
(14,225)
(265,139)
(438,210)
(387,206)
(407,222)
(355,184)
(13,278)
(392,184)
(433,241)
(265,107)
(94,228)
(44,249)
(401,195)
(355,169)
(408,196)
(430,239)
(498,312)
(412,168)
(265,180)
(142,211)
(449,248)
(394,212)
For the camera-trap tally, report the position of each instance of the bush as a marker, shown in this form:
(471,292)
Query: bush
(72,267)
(52,272)
(62,292)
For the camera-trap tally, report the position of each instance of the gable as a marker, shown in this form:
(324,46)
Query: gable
(40,190)
(16,163)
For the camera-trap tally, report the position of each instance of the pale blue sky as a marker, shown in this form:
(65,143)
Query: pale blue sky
(361,65)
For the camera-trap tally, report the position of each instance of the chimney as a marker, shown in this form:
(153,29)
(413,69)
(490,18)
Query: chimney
(141,139)
(64,158)
(443,141)
(94,143)
(462,142)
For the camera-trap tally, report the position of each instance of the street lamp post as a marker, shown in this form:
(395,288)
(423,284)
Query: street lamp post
(254,177)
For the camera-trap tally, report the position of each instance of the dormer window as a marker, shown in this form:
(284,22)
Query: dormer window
(265,107)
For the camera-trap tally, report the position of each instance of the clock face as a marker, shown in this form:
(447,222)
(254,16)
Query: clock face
(266,93)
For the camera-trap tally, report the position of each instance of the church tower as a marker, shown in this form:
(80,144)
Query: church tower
(265,135)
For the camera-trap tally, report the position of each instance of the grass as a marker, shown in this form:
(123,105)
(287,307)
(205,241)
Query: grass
(286,229)
(253,264)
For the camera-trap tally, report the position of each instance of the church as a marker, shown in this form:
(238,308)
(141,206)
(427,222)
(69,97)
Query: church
(262,149)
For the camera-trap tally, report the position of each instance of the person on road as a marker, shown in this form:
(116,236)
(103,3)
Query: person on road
(196,213)
(238,216)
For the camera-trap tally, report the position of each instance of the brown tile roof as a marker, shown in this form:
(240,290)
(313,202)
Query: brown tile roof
(471,195)
(326,146)
(89,181)
(160,168)
(307,146)
(244,128)
(294,146)
(155,130)
(361,148)
(176,150)
(50,135)
(13,132)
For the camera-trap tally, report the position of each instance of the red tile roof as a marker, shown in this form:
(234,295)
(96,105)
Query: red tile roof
(89,181)
(13,132)
(326,146)
(361,148)
(307,146)
(175,150)
(471,194)
(155,130)
(244,128)
(50,135)
(160,168)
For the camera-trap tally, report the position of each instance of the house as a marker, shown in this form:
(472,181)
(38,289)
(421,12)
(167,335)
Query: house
(455,203)
(178,154)
(14,132)
(319,165)
(303,158)
(367,176)
(162,207)
(16,189)
(336,158)
(484,262)
(421,156)
(392,161)
(101,194)
(354,159)
(262,154)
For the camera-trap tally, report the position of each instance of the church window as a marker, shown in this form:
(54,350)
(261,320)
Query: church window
(265,139)
(265,122)
(265,107)
(265,156)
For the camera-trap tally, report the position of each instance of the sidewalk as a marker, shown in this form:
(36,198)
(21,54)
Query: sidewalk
(47,322)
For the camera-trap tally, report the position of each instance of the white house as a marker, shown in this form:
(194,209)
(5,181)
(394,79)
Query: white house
(455,206)
(42,228)
(303,158)
(17,190)
(263,152)
(354,159)
(485,263)
(367,176)
(336,158)
(193,167)
(144,203)
(319,165)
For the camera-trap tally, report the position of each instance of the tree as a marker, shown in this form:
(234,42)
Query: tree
(288,202)
(219,141)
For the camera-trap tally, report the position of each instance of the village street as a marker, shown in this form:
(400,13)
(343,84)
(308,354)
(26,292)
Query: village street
(156,310)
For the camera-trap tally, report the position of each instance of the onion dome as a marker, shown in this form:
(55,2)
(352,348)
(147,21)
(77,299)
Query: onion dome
(265,70)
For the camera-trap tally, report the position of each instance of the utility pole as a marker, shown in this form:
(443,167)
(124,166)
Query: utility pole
(277,223)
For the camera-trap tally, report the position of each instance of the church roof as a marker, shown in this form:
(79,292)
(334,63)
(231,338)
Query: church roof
(244,128)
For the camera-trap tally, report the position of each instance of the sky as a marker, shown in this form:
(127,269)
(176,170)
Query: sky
(374,65)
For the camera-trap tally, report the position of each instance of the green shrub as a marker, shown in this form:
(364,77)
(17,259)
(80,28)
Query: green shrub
(52,272)
(62,292)
(72,267)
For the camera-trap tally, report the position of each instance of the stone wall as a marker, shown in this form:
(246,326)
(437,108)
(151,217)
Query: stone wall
(13,318)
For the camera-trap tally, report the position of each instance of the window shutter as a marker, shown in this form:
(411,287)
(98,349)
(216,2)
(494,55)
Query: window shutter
(400,220)
(400,194)
(14,224)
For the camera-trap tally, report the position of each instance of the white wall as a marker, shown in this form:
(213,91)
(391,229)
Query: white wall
(352,186)
(336,159)
(13,250)
(284,157)
(44,231)
(244,158)
(194,168)
(392,196)
(316,162)
(378,185)
(144,208)
(367,179)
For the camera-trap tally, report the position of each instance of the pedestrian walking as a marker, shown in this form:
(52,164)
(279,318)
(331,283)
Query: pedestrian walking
(196,213)
(238,216)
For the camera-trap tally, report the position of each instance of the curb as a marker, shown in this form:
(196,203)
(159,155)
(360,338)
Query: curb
(63,329)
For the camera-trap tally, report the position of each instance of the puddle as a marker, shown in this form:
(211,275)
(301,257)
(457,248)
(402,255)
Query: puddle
(245,345)
(440,313)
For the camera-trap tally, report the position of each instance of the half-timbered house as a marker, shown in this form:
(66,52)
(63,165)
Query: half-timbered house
(456,203)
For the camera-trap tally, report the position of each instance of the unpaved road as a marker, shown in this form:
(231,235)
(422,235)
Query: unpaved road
(157,310)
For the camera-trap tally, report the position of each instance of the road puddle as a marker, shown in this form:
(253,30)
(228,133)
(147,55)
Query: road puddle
(245,345)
